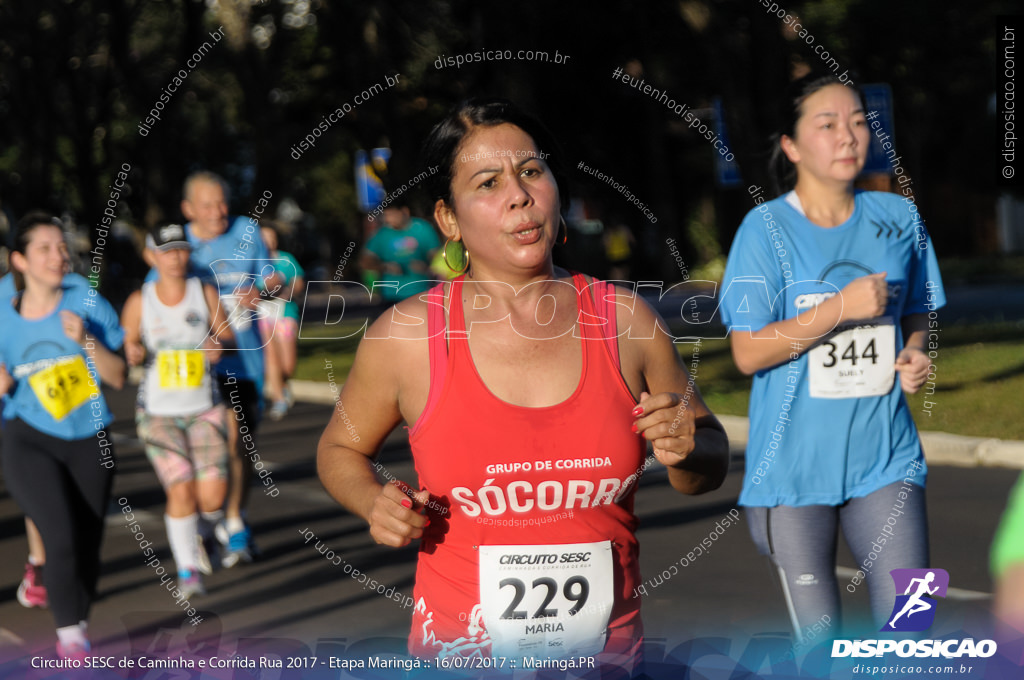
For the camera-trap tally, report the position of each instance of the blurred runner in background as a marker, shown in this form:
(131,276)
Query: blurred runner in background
(180,416)
(280,326)
(400,251)
(58,460)
(229,254)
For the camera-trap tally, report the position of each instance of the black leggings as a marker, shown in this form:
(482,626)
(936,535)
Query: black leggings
(63,487)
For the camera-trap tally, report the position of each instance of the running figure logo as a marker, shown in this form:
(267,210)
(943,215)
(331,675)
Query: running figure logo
(914,610)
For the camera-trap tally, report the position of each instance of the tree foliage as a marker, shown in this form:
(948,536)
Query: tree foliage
(78,77)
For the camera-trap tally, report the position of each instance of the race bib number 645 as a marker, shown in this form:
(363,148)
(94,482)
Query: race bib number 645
(550,600)
(63,387)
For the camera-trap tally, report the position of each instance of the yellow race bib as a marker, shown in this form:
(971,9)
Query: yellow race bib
(180,368)
(63,387)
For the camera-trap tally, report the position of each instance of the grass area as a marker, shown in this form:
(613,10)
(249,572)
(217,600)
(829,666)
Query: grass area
(979,382)
(724,388)
(320,344)
(979,376)
(991,269)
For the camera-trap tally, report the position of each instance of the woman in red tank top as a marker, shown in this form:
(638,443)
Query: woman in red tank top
(531,394)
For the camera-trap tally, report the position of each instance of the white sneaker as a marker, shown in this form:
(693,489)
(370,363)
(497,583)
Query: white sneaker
(203,555)
(279,410)
(235,546)
(190,584)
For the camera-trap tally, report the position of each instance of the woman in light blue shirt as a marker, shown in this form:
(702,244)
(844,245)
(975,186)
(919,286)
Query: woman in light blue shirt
(58,344)
(830,293)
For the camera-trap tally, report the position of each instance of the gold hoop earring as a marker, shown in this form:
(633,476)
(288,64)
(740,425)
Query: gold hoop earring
(465,256)
(565,233)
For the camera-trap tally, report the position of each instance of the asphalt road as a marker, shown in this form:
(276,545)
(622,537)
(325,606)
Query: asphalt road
(294,601)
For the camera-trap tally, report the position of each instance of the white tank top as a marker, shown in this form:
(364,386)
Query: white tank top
(177,378)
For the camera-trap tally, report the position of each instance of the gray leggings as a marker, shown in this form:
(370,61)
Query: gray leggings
(801,542)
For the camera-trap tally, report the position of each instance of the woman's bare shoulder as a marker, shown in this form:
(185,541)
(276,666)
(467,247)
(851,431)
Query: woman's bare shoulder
(635,318)
(406,320)
(396,342)
(392,362)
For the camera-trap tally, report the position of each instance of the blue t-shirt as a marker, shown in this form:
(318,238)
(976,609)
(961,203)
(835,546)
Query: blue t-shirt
(803,448)
(231,263)
(53,378)
(105,315)
(7,290)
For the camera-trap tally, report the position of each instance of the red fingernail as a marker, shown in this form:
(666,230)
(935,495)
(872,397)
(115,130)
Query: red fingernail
(406,503)
(635,429)
(427,524)
(638,410)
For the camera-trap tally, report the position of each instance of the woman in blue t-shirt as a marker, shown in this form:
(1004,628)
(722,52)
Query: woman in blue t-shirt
(830,294)
(57,453)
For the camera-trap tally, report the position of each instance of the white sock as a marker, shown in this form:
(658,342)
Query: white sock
(234,525)
(72,635)
(208,520)
(181,534)
(34,562)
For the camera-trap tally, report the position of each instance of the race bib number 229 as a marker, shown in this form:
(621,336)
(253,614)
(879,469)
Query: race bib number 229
(550,600)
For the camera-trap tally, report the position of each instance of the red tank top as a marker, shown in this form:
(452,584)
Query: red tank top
(506,475)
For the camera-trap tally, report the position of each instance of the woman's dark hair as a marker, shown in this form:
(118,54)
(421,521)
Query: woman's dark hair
(31,221)
(782,171)
(442,145)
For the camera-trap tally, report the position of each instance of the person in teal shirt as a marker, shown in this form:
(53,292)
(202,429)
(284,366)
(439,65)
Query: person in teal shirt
(279,325)
(401,250)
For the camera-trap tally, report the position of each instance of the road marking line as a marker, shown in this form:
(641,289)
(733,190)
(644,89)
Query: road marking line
(141,517)
(8,636)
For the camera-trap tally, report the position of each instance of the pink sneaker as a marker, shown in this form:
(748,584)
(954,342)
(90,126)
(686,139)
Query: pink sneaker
(75,652)
(32,592)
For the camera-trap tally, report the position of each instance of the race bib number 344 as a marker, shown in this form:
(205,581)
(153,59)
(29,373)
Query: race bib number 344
(546,600)
(858,361)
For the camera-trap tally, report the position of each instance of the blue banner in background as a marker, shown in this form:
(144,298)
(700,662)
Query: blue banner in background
(727,173)
(370,169)
(878,98)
